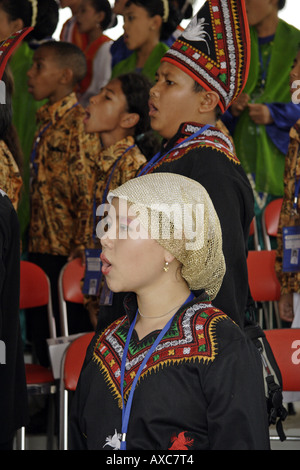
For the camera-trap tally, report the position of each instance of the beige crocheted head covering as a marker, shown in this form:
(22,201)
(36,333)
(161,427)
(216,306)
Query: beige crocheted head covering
(179,214)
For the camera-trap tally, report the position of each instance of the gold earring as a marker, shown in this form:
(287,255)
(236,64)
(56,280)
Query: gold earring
(166,267)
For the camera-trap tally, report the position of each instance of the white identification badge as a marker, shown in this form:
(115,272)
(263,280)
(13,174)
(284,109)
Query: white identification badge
(106,296)
(291,249)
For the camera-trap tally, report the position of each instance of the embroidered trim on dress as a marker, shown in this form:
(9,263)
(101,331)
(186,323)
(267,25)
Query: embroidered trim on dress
(192,340)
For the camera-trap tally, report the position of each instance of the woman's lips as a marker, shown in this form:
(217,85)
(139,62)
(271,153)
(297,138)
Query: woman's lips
(106,266)
(87,116)
(152,109)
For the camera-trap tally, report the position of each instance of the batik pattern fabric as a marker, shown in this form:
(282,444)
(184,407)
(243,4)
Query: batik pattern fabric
(290,281)
(214,49)
(61,194)
(187,396)
(10,177)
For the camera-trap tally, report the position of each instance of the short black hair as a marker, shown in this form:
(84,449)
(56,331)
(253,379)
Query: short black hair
(46,21)
(281,4)
(103,5)
(69,56)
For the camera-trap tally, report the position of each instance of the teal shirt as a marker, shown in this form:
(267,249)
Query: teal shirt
(150,67)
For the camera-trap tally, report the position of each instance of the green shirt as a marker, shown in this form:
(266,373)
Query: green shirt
(257,153)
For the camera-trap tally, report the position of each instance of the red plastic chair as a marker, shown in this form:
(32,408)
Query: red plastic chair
(35,292)
(270,221)
(253,232)
(70,371)
(69,289)
(285,344)
(263,283)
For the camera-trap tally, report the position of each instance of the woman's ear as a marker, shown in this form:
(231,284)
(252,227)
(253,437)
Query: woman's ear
(168,257)
(129,120)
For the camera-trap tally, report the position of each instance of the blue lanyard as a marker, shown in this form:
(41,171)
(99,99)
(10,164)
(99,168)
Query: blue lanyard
(107,188)
(296,196)
(33,153)
(37,140)
(264,68)
(297,187)
(126,410)
(157,158)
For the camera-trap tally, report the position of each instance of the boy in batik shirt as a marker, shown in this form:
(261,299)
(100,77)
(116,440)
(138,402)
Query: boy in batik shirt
(61,198)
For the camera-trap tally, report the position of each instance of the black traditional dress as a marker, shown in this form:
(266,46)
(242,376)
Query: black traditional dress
(13,391)
(202,387)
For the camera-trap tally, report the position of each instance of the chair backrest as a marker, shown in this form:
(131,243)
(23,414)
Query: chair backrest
(285,344)
(263,282)
(69,289)
(73,360)
(253,232)
(71,275)
(270,220)
(35,291)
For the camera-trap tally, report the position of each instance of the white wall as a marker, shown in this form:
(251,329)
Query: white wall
(290,13)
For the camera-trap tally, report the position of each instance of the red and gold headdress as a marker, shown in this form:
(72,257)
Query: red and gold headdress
(214,49)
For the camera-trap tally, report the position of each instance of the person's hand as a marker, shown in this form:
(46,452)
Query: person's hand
(260,114)
(239,104)
(285,305)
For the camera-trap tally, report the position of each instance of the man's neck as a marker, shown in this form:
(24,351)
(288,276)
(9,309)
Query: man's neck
(268,26)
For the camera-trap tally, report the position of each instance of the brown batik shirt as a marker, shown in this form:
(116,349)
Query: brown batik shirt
(290,282)
(61,192)
(10,177)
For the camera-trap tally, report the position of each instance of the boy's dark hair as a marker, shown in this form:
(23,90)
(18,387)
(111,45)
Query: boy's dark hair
(68,56)
(47,16)
(103,5)
(281,4)
(185,8)
(156,7)
(197,88)
(136,88)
